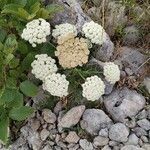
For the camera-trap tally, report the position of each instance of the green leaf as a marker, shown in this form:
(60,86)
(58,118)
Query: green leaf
(23,13)
(14,63)
(26,63)
(19,2)
(17,102)
(54,8)
(11,44)
(4,129)
(28,88)
(7,96)
(8,58)
(11,83)
(48,49)
(20,113)
(35,8)
(3,35)
(22,47)
(31,3)
(43,13)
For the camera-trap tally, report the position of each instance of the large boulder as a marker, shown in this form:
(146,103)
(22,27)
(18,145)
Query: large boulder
(124,104)
(94,120)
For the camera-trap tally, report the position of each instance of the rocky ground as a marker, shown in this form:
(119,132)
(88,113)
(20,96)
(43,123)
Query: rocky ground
(122,121)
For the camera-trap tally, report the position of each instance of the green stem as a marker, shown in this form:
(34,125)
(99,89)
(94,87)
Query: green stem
(79,73)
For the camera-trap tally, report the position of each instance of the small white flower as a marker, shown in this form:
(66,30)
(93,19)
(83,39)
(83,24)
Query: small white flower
(36,31)
(43,66)
(111,72)
(56,85)
(94,32)
(93,88)
(64,29)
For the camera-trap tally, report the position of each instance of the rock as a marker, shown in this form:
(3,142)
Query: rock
(144,123)
(72,137)
(113,143)
(132,140)
(72,117)
(94,120)
(100,141)
(73,146)
(85,144)
(58,107)
(106,148)
(130,122)
(141,142)
(103,132)
(131,147)
(139,131)
(35,124)
(47,147)
(49,117)
(44,134)
(123,104)
(132,35)
(147,84)
(115,17)
(146,146)
(119,132)
(144,139)
(142,115)
(133,59)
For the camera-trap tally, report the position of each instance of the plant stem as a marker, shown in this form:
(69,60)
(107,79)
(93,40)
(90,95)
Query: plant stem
(79,73)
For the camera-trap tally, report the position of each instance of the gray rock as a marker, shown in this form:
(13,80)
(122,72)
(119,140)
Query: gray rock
(106,148)
(146,146)
(100,141)
(132,35)
(72,137)
(133,59)
(132,140)
(85,144)
(144,139)
(94,120)
(47,147)
(44,134)
(113,143)
(130,122)
(147,83)
(142,115)
(139,131)
(103,132)
(119,132)
(124,104)
(58,107)
(131,147)
(144,123)
(72,117)
(141,142)
(48,116)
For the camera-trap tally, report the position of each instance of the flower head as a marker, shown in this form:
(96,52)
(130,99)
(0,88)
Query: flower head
(72,51)
(56,85)
(43,66)
(93,88)
(36,31)
(64,29)
(111,72)
(94,32)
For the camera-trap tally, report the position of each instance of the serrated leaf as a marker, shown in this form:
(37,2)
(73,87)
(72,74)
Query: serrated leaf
(20,113)
(4,129)
(23,13)
(20,2)
(35,8)
(28,88)
(9,57)
(31,3)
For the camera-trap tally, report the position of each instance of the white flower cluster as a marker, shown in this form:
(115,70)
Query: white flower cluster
(43,66)
(93,88)
(111,72)
(64,29)
(94,32)
(56,85)
(36,31)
